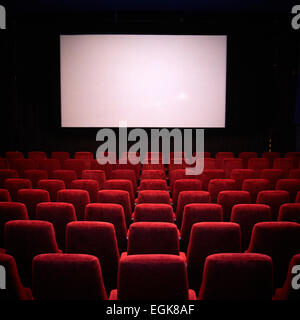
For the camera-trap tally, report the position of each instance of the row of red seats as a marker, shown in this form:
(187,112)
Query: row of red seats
(76,169)
(73,173)
(244,160)
(62,155)
(153,269)
(149,190)
(86,191)
(61,213)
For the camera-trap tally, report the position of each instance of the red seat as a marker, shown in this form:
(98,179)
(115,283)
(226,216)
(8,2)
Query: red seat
(222,155)
(119,197)
(210,163)
(113,213)
(210,174)
(79,199)
(284,164)
(295,156)
(152,157)
(95,165)
(228,198)
(215,186)
(290,185)
(127,166)
(154,184)
(289,212)
(153,237)
(59,214)
(77,165)
(125,175)
(273,175)
(10,211)
(274,199)
(67,176)
(245,156)
(49,165)
(287,292)
(3,164)
(152,166)
(37,155)
(239,175)
(91,186)
(125,185)
(61,156)
(4,195)
(165,278)
(32,197)
(297,200)
(294,174)
(153,174)
(23,164)
(198,212)
(247,215)
(67,277)
(281,241)
(176,166)
(52,186)
(228,164)
(12,155)
(154,196)
(209,238)
(271,156)
(237,276)
(98,175)
(130,157)
(14,288)
(15,184)
(258,164)
(254,186)
(6,174)
(153,212)
(185,185)
(24,239)
(35,176)
(94,238)
(176,175)
(187,197)
(84,155)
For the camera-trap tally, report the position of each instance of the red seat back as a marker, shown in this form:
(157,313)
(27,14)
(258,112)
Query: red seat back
(94,238)
(153,212)
(67,277)
(274,199)
(165,278)
(244,277)
(113,213)
(32,197)
(198,212)
(247,215)
(281,241)
(79,199)
(59,214)
(24,239)
(209,238)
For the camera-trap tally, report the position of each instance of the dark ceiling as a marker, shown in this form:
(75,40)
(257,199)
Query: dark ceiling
(208,6)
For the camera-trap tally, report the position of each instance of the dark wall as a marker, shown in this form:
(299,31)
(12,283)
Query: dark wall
(261,87)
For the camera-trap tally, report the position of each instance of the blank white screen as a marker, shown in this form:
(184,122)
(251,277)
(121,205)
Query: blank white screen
(145,80)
